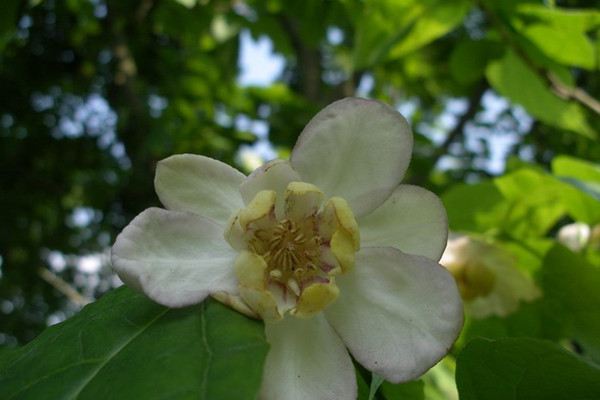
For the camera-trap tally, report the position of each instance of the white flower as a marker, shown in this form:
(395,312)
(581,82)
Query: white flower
(488,279)
(328,248)
(575,236)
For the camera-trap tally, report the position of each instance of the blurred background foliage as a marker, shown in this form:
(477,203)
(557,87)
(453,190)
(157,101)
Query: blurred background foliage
(502,97)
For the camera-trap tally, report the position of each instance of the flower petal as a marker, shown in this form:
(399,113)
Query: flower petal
(198,184)
(175,258)
(511,287)
(398,314)
(357,149)
(412,219)
(307,360)
(274,175)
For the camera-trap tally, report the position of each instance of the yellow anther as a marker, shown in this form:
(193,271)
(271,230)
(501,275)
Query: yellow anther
(315,298)
(342,247)
(250,270)
(261,206)
(302,200)
(234,233)
(288,260)
(261,301)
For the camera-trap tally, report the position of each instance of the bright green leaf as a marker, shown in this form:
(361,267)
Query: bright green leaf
(512,78)
(569,47)
(534,200)
(390,29)
(561,34)
(523,369)
(438,19)
(566,166)
(126,347)
(474,208)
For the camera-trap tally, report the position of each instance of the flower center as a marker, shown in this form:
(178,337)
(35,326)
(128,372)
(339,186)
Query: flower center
(288,262)
(474,280)
(291,250)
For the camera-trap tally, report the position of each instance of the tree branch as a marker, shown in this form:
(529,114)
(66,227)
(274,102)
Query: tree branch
(62,286)
(308,60)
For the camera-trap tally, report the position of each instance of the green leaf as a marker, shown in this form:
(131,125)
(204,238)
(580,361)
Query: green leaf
(474,208)
(470,58)
(572,167)
(363,386)
(581,189)
(523,369)
(562,35)
(512,78)
(439,18)
(534,200)
(571,295)
(8,20)
(126,347)
(403,391)
(390,29)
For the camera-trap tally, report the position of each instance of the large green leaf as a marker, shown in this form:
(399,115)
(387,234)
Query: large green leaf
(566,166)
(378,387)
(126,347)
(523,369)
(561,34)
(512,78)
(581,188)
(475,208)
(469,59)
(403,391)
(534,199)
(439,18)
(390,29)
(571,294)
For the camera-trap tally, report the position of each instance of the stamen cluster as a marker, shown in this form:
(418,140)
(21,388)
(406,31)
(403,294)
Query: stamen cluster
(288,261)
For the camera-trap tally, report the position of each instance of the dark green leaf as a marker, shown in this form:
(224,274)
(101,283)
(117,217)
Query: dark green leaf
(524,369)
(404,391)
(126,347)
(571,294)
(469,59)
(474,207)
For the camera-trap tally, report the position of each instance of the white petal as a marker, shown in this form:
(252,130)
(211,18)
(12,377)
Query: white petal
(357,149)
(274,175)
(307,360)
(511,287)
(198,184)
(398,314)
(175,258)
(412,219)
